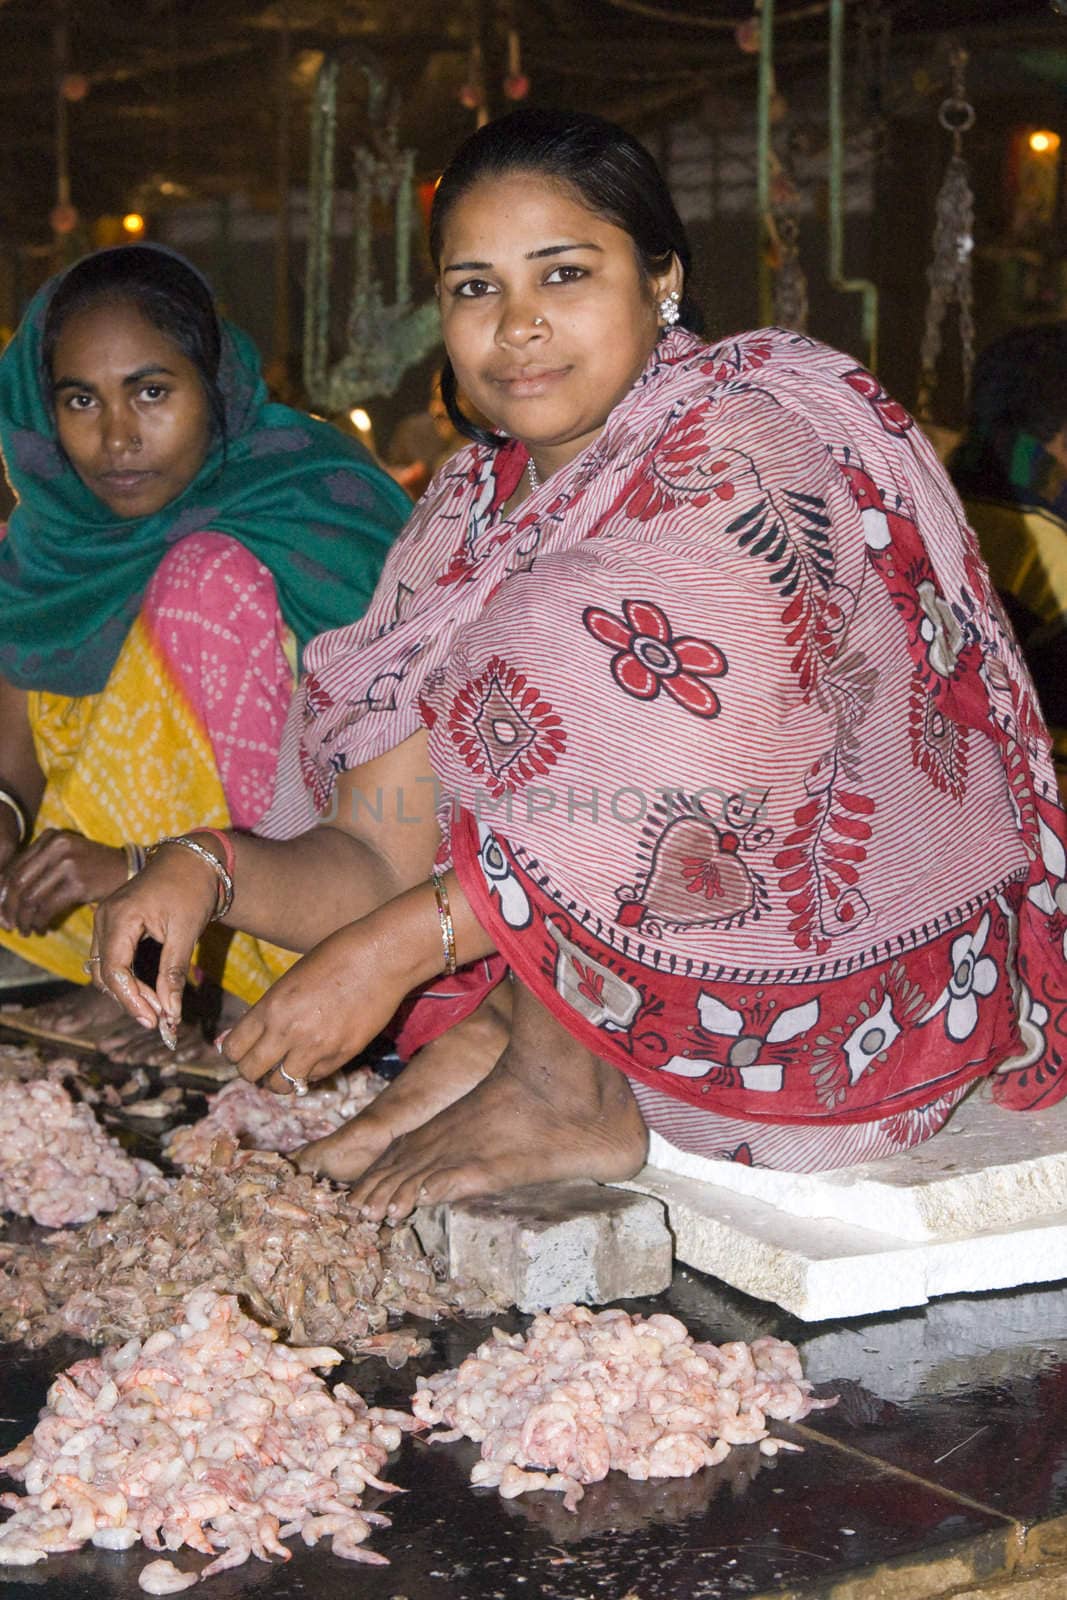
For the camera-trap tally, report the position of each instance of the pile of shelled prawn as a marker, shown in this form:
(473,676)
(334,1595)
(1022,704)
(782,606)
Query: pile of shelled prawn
(260,1120)
(57,1164)
(583,1393)
(210,1434)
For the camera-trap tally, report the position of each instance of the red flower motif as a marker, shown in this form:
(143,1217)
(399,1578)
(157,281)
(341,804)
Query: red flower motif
(649,658)
(890,413)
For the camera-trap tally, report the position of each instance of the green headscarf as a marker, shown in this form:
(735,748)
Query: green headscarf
(307,500)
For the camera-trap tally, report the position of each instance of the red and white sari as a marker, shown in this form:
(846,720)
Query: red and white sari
(737,758)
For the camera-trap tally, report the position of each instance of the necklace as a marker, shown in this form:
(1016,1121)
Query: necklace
(531,473)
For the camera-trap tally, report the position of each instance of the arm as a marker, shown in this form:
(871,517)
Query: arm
(381,841)
(342,994)
(20,773)
(60,869)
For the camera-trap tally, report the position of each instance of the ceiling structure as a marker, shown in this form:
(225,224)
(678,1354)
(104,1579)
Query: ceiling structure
(171,99)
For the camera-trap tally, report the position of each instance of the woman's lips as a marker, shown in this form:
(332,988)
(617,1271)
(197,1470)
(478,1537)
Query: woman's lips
(123,483)
(527,384)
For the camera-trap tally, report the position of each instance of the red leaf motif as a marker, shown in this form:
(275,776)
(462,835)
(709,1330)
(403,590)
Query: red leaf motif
(591,982)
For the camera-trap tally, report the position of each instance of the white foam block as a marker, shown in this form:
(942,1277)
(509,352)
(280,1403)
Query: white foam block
(819,1269)
(986,1169)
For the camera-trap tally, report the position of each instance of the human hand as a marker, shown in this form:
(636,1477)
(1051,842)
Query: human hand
(321,1013)
(61,869)
(9,842)
(171,900)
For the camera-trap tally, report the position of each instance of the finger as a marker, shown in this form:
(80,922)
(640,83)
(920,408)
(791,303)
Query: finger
(50,897)
(39,857)
(281,1081)
(133,995)
(174,960)
(114,945)
(252,1046)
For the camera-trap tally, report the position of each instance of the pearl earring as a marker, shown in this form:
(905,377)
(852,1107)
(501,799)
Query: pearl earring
(668,308)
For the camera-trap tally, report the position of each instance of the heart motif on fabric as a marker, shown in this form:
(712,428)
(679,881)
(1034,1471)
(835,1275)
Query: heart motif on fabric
(696,877)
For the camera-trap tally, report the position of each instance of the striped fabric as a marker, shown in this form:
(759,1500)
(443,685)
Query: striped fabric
(738,760)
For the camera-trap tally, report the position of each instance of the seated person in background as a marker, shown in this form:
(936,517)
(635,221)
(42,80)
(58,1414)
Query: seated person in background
(1011,470)
(684,698)
(177,540)
(422,442)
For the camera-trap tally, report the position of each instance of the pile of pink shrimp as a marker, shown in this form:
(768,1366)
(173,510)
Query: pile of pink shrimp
(209,1434)
(57,1165)
(583,1393)
(257,1119)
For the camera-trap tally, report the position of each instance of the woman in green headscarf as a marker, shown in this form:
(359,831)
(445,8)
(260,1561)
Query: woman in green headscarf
(177,540)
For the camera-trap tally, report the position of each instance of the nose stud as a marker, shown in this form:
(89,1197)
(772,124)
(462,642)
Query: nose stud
(538,322)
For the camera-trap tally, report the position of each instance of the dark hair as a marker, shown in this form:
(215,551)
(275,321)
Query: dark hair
(1020,382)
(610,171)
(167,291)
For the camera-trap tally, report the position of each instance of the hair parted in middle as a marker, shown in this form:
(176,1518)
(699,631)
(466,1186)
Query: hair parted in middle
(609,171)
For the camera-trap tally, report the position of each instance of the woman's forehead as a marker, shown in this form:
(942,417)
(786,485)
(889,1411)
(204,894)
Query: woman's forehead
(108,327)
(515,207)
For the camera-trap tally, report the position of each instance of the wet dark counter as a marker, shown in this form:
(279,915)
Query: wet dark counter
(944,1464)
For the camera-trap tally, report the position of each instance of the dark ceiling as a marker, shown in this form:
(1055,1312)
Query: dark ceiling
(183,96)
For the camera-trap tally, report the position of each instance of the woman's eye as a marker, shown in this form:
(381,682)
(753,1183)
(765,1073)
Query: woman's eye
(79,402)
(566,274)
(154,391)
(474,289)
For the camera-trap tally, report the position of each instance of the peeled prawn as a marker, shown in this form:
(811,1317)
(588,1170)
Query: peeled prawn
(584,1393)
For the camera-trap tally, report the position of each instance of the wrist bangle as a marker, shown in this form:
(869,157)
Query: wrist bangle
(225,844)
(15,805)
(135,859)
(224,899)
(444,916)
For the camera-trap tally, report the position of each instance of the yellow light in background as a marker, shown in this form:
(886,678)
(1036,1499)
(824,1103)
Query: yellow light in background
(359,419)
(133,223)
(1044,142)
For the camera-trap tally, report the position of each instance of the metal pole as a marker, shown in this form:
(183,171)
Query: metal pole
(765,94)
(281,251)
(861,286)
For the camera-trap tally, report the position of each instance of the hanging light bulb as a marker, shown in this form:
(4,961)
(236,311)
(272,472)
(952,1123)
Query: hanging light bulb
(133,224)
(1044,142)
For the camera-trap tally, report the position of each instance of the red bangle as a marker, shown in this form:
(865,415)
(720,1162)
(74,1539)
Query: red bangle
(225,841)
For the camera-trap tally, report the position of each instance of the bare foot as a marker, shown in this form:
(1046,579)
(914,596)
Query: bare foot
(81,1014)
(549,1110)
(436,1076)
(126,1041)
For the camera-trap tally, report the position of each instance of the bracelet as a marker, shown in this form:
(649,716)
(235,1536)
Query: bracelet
(14,804)
(135,859)
(225,892)
(225,845)
(444,915)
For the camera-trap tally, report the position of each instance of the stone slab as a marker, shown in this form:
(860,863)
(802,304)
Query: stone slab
(552,1244)
(820,1268)
(987,1169)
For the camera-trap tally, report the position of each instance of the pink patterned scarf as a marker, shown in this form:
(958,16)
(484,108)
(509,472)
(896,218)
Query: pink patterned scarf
(738,760)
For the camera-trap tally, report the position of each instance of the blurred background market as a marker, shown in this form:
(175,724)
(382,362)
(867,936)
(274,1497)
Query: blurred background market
(884,174)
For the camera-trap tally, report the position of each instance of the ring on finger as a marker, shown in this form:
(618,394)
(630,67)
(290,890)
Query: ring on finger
(299,1085)
(87,966)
